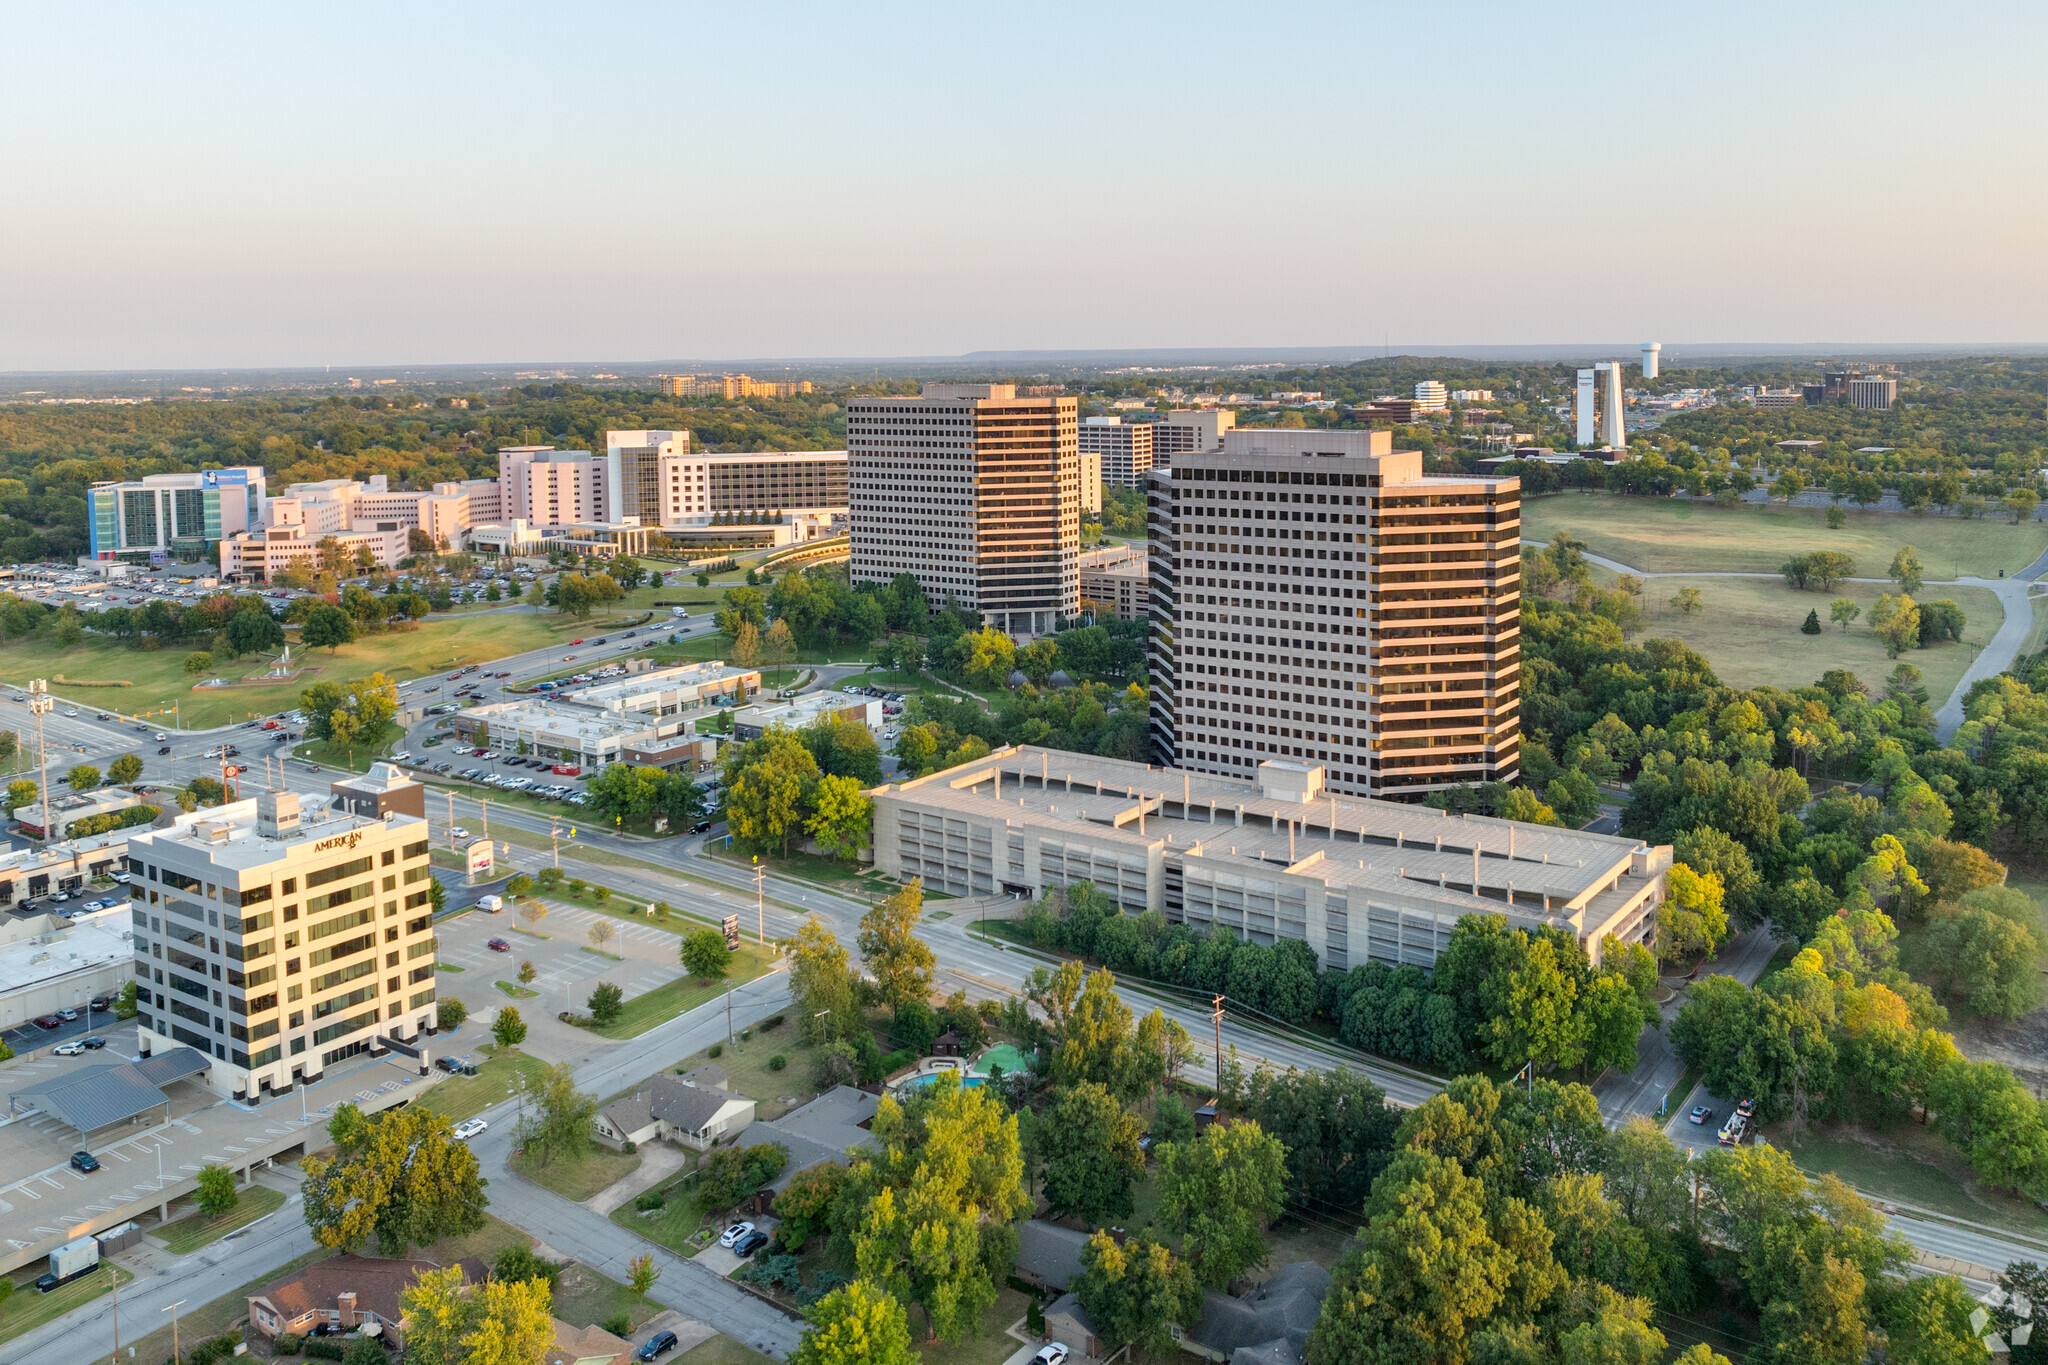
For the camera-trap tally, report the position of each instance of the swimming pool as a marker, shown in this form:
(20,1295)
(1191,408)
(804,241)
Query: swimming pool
(920,1082)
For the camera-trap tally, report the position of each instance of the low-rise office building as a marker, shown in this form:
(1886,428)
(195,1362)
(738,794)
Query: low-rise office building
(669,691)
(1271,856)
(753,721)
(1114,582)
(49,964)
(383,790)
(279,938)
(26,873)
(81,811)
(562,731)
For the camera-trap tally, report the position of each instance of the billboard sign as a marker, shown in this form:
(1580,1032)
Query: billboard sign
(480,862)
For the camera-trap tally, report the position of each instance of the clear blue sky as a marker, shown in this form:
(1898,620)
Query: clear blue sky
(386,184)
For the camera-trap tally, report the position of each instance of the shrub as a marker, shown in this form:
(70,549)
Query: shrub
(619,1325)
(896,1061)
(650,1201)
(773,1022)
(715,1050)
(777,1062)
(1034,1318)
(289,1344)
(317,1349)
(746,1035)
(631,1147)
(516,1265)
(450,1013)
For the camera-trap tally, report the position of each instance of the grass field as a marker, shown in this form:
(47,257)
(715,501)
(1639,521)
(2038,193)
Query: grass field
(745,1064)
(183,1236)
(665,1002)
(460,1097)
(720,1350)
(670,1225)
(25,1308)
(1748,628)
(1667,535)
(579,1178)
(1913,1164)
(158,676)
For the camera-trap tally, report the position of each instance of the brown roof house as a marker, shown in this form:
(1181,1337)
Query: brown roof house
(695,1110)
(586,1346)
(347,1292)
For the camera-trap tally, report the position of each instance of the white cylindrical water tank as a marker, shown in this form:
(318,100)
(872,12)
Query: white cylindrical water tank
(1651,350)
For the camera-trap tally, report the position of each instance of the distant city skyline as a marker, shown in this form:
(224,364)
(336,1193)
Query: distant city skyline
(267,188)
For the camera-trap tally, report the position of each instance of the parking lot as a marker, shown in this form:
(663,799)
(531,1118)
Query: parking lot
(565,971)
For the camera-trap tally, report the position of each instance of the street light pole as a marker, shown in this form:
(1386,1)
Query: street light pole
(39,704)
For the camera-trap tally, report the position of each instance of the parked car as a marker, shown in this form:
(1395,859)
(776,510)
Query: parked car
(750,1244)
(48,1021)
(85,1163)
(1052,1353)
(701,827)
(731,1236)
(100,1003)
(93,1044)
(74,1048)
(498,945)
(656,1345)
(1700,1113)
(467,1129)
(66,1015)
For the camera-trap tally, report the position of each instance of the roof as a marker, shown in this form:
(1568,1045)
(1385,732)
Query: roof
(584,1346)
(172,1064)
(820,1131)
(711,1075)
(95,1097)
(1069,1306)
(89,942)
(673,1100)
(1283,1309)
(1049,1251)
(376,1282)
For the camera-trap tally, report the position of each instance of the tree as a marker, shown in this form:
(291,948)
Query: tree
(1811,625)
(1537,1021)
(1221,1191)
(643,1272)
(602,931)
(843,823)
(217,1192)
(705,955)
(327,627)
(733,1173)
(804,1207)
(125,769)
(21,792)
(1941,622)
(1693,919)
(83,778)
(558,1115)
(1844,611)
(527,972)
(1137,1291)
(1687,600)
(397,1176)
(901,962)
(509,1029)
(856,1324)
(605,1003)
(198,662)
(778,646)
(746,644)
(1896,621)
(821,987)
(499,1322)
(449,1012)
(1987,962)
(626,792)
(1928,1323)
(1837,518)
(767,782)
(1092,1158)
(2021,503)
(987,657)
(1906,571)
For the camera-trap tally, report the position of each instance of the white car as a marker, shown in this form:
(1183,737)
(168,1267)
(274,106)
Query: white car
(467,1129)
(401,757)
(731,1236)
(1052,1353)
(71,1049)
(459,832)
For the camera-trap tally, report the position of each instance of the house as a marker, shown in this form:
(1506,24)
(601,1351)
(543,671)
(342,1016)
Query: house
(1067,1322)
(1048,1255)
(1268,1325)
(678,1109)
(585,1346)
(346,1292)
(822,1130)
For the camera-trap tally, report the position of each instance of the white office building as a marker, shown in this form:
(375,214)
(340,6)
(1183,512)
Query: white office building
(1431,396)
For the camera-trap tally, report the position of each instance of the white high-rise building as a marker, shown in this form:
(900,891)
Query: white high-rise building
(1598,407)
(657,481)
(1430,396)
(1651,351)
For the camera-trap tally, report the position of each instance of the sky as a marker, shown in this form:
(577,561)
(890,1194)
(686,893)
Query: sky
(364,184)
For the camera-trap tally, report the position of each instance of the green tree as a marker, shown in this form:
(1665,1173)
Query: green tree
(1538,1021)
(705,955)
(1092,1158)
(1137,1291)
(821,987)
(987,657)
(1220,1192)
(856,1324)
(217,1192)
(449,1013)
(327,627)
(1896,621)
(396,1176)
(1906,571)
(558,1116)
(21,792)
(1843,611)
(1811,625)
(1688,600)
(843,821)
(768,783)
(197,663)
(901,962)
(1928,1323)
(83,778)
(606,1002)
(643,1273)
(499,1322)
(1693,920)
(509,1029)
(125,769)
(1989,964)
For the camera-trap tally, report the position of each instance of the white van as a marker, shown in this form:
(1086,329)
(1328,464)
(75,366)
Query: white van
(493,904)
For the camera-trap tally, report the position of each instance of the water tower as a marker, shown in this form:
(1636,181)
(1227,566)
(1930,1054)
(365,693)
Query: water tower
(1651,350)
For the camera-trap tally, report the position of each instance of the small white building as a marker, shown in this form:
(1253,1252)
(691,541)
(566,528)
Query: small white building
(697,1111)
(753,721)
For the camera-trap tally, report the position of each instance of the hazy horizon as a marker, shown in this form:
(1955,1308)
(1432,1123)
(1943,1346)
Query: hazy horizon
(250,188)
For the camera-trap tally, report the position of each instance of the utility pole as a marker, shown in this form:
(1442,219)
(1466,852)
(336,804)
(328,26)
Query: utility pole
(485,803)
(115,1275)
(760,900)
(451,820)
(555,838)
(39,704)
(173,1311)
(1219,1046)
(728,1014)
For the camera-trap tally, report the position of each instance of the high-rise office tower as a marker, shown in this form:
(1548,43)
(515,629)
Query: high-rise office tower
(1316,597)
(1431,396)
(974,491)
(1125,448)
(1652,351)
(1598,407)
(1178,432)
(652,484)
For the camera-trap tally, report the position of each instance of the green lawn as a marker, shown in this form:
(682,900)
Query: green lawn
(157,677)
(665,1002)
(186,1235)
(720,1350)
(1666,535)
(516,991)
(670,1225)
(584,1298)
(1913,1164)
(459,1097)
(746,1066)
(579,1178)
(486,1244)
(832,873)
(1748,628)
(25,1309)
(990,1346)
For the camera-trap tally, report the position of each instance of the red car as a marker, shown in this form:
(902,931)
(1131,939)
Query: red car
(575,642)
(48,1021)
(566,770)
(270,725)
(498,945)
(456,674)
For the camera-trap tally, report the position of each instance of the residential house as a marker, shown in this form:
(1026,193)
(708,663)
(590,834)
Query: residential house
(586,1346)
(1068,1323)
(677,1109)
(820,1131)
(1048,1255)
(1268,1324)
(345,1293)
